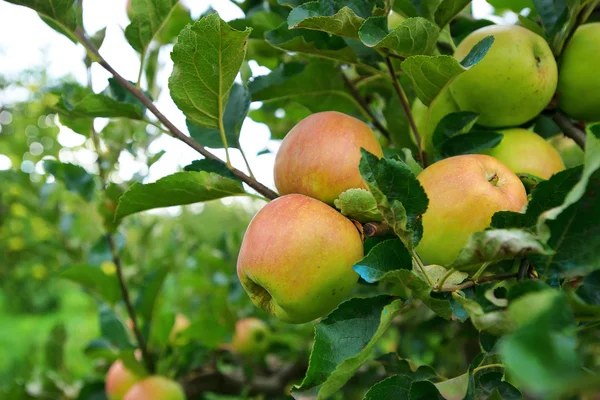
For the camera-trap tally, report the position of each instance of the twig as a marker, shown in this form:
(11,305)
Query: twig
(448,274)
(373,229)
(253,183)
(569,129)
(485,279)
(406,106)
(523,267)
(363,103)
(487,366)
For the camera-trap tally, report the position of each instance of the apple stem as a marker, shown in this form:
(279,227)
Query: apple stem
(480,271)
(493,179)
(569,129)
(440,284)
(421,266)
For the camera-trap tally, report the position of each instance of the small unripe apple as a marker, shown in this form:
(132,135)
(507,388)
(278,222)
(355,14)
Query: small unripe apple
(395,19)
(119,380)
(156,388)
(181,324)
(527,152)
(296,258)
(251,337)
(319,157)
(579,80)
(513,83)
(571,154)
(420,113)
(464,192)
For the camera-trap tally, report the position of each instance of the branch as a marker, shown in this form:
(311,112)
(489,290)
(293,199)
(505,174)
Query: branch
(373,229)
(406,107)
(212,380)
(569,129)
(365,106)
(176,133)
(485,279)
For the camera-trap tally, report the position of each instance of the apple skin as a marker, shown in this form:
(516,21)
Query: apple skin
(319,157)
(571,154)
(119,380)
(464,192)
(395,19)
(156,388)
(513,83)
(579,81)
(527,152)
(296,258)
(251,337)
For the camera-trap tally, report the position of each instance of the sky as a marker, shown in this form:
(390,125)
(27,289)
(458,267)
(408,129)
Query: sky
(27,42)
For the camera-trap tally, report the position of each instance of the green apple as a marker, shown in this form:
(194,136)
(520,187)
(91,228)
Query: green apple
(570,152)
(579,78)
(527,152)
(464,192)
(395,19)
(296,258)
(513,83)
(319,157)
(119,380)
(441,106)
(251,337)
(420,113)
(156,388)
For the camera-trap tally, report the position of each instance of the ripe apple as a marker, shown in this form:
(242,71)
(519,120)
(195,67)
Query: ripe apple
(464,192)
(579,81)
(119,380)
(251,337)
(571,154)
(524,151)
(156,388)
(319,157)
(513,83)
(296,258)
(181,324)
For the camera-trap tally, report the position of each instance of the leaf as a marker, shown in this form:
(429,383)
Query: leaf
(430,74)
(412,37)
(530,24)
(344,340)
(148,294)
(62,15)
(270,114)
(75,178)
(455,388)
(424,390)
(206,57)
(92,278)
(553,14)
(177,189)
(495,245)
(318,86)
(400,197)
(585,300)
(323,16)
(260,22)
(449,9)
(386,256)
(495,322)
(358,204)
(473,142)
(97,39)
(147,18)
(175,22)
(118,92)
(100,348)
(112,329)
(541,353)
(421,290)
(395,365)
(236,110)
(491,385)
(55,348)
(210,165)
(319,44)
(395,387)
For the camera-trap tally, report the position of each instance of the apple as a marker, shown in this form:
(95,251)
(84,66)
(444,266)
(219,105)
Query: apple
(579,81)
(570,152)
(296,258)
(464,192)
(156,388)
(319,157)
(181,324)
(119,380)
(513,83)
(420,113)
(524,151)
(395,19)
(251,337)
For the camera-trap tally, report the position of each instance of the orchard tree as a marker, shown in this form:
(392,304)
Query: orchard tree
(438,185)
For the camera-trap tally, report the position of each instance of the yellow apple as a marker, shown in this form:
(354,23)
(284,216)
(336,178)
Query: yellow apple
(464,192)
(251,337)
(570,152)
(119,380)
(319,157)
(156,388)
(296,258)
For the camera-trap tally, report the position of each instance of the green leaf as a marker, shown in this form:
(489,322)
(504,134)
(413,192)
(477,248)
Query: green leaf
(75,178)
(412,37)
(424,390)
(395,387)
(132,364)
(400,197)
(421,290)
(319,44)
(113,329)
(176,21)
(318,86)
(260,22)
(585,300)
(530,24)
(495,245)
(553,14)
(473,142)
(236,110)
(206,57)
(449,9)
(344,340)
(280,125)
(55,348)
(455,388)
(148,295)
(118,92)
(430,74)
(358,204)
(495,322)
(148,17)
(92,278)
(386,256)
(491,385)
(210,165)
(97,39)
(62,15)
(540,354)
(323,16)
(395,365)
(178,189)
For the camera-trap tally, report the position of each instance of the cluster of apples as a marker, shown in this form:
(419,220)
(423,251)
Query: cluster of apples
(297,254)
